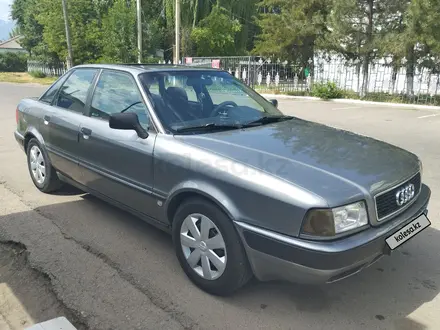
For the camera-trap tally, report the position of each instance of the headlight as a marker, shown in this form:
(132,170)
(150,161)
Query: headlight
(332,222)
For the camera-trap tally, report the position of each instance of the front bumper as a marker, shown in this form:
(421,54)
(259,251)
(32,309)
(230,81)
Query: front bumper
(275,256)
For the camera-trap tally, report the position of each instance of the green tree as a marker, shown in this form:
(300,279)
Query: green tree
(291,28)
(153,27)
(24,13)
(86,34)
(193,12)
(354,25)
(215,35)
(400,39)
(119,42)
(423,24)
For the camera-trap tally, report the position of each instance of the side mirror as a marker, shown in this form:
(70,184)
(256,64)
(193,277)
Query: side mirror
(127,121)
(274,102)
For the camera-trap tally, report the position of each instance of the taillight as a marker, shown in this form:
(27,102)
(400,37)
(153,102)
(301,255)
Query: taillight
(16,115)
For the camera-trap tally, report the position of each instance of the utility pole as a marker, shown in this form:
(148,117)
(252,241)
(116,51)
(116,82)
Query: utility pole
(69,44)
(177,50)
(139,30)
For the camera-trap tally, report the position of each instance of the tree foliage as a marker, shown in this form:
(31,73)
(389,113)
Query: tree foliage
(291,28)
(84,25)
(215,36)
(404,31)
(119,40)
(24,13)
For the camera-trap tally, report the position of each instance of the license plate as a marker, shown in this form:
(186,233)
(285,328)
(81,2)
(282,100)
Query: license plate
(407,232)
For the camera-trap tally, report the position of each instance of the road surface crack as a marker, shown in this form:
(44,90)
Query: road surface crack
(45,279)
(177,316)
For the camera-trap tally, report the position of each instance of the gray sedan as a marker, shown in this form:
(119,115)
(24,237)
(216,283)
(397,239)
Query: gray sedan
(243,189)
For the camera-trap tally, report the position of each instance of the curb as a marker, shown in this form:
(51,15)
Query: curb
(289,97)
(59,323)
(352,101)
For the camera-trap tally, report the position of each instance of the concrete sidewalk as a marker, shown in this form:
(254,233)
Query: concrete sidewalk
(352,101)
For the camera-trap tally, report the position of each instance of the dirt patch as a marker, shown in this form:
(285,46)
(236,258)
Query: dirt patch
(26,295)
(24,77)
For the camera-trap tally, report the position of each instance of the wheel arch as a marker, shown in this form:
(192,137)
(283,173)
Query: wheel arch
(206,192)
(32,133)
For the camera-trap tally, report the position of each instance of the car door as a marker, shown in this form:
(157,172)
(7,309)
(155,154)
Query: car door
(62,119)
(117,163)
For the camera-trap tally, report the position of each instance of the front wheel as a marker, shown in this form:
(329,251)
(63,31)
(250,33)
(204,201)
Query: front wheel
(209,249)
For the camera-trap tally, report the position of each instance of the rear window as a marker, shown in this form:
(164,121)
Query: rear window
(49,95)
(73,94)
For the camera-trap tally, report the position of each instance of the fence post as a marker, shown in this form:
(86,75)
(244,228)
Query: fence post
(249,72)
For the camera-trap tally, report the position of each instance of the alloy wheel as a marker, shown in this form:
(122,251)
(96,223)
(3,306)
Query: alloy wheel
(37,164)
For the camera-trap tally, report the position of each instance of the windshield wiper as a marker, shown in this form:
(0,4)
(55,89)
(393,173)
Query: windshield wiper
(209,126)
(267,120)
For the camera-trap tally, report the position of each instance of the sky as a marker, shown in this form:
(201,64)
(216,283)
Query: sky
(5,9)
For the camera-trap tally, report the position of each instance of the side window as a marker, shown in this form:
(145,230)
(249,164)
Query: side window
(116,92)
(53,90)
(73,94)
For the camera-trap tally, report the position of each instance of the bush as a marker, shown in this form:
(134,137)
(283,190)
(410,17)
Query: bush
(13,62)
(327,91)
(37,74)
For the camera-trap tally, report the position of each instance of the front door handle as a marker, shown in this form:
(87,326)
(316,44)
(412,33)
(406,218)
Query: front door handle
(86,132)
(46,120)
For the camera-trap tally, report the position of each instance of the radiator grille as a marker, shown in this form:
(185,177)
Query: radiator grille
(386,202)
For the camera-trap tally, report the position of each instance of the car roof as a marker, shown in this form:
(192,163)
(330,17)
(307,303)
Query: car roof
(136,68)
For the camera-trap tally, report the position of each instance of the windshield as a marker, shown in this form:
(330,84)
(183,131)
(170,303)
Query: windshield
(187,99)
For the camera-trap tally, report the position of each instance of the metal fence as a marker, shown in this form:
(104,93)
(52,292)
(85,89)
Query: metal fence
(257,72)
(385,82)
(56,69)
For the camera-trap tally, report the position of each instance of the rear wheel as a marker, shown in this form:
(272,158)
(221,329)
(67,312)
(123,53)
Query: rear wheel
(209,248)
(42,173)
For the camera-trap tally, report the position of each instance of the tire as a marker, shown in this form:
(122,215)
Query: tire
(236,273)
(49,182)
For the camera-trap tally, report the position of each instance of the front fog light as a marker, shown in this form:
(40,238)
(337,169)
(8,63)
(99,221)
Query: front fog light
(331,222)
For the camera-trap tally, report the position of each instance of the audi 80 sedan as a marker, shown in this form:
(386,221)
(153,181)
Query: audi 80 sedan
(244,190)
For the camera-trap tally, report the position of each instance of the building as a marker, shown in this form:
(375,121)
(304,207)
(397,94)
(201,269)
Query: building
(12,45)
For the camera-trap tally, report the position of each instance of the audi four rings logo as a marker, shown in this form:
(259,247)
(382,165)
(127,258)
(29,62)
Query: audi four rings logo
(405,194)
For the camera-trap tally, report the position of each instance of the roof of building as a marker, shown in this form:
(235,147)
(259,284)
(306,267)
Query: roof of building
(11,43)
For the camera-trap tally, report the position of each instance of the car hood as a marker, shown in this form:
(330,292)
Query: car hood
(329,162)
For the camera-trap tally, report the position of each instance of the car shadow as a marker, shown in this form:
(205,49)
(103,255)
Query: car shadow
(386,295)
(68,190)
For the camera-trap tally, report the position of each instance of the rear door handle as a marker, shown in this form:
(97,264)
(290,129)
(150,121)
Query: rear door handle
(46,120)
(86,132)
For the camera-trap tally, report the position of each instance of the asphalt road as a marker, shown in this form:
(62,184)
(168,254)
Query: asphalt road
(113,271)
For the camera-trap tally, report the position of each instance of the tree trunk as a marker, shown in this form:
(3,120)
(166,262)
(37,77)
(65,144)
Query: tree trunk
(365,67)
(196,9)
(410,66)
(358,73)
(367,56)
(394,78)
